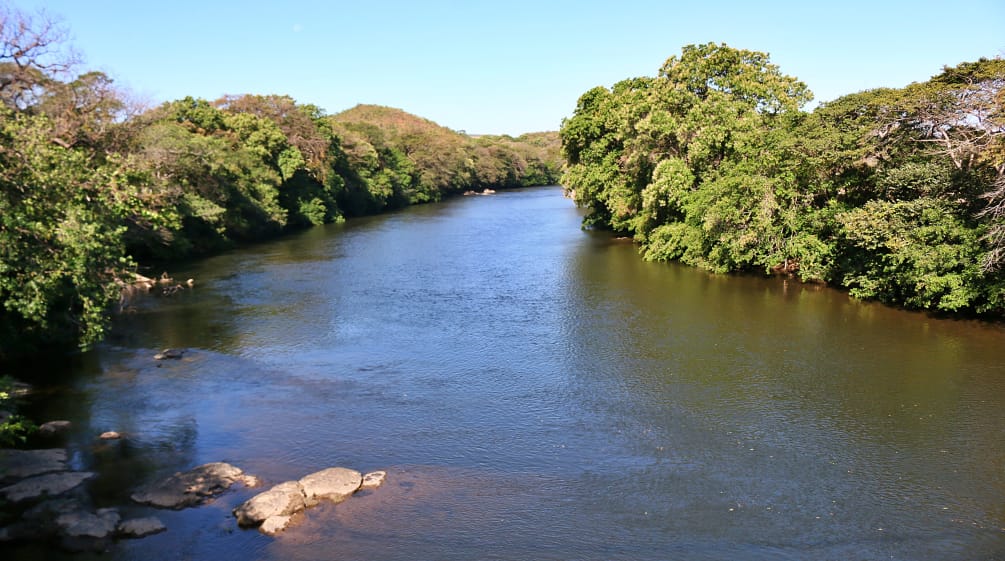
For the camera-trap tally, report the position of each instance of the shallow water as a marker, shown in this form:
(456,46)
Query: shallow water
(539,392)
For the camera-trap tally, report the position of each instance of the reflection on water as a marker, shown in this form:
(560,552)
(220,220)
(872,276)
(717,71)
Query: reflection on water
(539,392)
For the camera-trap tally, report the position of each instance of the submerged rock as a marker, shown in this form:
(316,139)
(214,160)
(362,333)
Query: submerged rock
(50,484)
(140,527)
(193,487)
(39,521)
(332,484)
(275,524)
(373,480)
(170,354)
(284,499)
(19,464)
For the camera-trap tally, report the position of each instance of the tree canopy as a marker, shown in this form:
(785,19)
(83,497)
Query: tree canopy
(895,194)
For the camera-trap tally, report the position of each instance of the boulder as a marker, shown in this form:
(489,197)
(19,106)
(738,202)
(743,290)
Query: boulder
(50,484)
(193,487)
(19,464)
(332,484)
(97,525)
(54,428)
(373,480)
(140,527)
(284,499)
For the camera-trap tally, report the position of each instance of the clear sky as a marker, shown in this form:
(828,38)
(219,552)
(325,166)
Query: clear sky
(507,66)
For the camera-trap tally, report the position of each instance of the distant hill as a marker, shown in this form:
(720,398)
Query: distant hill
(396,158)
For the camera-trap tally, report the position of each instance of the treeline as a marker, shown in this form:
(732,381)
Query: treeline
(897,195)
(90,185)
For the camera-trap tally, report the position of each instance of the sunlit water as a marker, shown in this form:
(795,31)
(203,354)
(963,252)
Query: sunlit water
(539,392)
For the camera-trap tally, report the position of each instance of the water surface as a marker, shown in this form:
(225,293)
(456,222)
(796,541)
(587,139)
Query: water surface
(536,391)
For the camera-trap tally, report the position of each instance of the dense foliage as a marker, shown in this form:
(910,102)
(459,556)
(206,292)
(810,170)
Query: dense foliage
(897,195)
(90,184)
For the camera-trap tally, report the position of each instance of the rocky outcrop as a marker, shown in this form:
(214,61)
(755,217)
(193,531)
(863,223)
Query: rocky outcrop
(43,500)
(285,499)
(332,484)
(39,486)
(193,487)
(273,510)
(76,526)
(19,464)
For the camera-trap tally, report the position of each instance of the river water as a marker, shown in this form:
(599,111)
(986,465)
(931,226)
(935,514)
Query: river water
(538,392)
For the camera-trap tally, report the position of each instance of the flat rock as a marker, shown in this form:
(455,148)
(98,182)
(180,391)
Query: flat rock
(284,499)
(50,484)
(54,428)
(110,435)
(97,525)
(373,480)
(275,524)
(140,527)
(19,464)
(332,484)
(192,487)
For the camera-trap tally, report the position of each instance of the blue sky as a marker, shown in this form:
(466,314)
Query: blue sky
(504,67)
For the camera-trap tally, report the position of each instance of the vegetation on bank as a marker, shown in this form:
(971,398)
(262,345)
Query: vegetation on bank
(91,184)
(897,195)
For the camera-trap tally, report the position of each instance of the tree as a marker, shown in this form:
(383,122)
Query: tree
(32,51)
(689,162)
(61,223)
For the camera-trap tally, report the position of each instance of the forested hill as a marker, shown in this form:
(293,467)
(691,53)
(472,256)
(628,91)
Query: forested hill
(394,157)
(895,194)
(92,185)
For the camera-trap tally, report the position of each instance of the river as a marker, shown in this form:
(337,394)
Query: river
(539,392)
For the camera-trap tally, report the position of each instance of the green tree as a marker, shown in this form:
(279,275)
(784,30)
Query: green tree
(690,163)
(61,226)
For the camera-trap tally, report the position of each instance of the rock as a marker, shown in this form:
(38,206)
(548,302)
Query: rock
(52,509)
(97,525)
(54,428)
(172,354)
(50,484)
(373,480)
(19,464)
(21,389)
(110,435)
(284,499)
(38,522)
(140,527)
(192,487)
(333,484)
(275,524)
